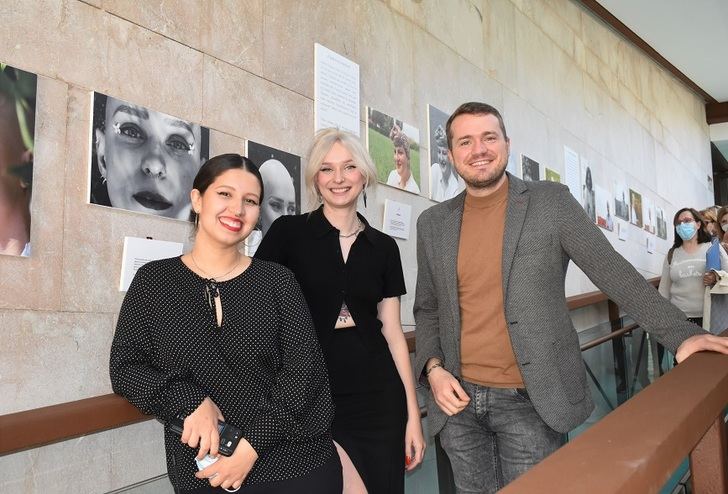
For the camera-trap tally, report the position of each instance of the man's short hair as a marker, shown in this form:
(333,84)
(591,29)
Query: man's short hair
(473,108)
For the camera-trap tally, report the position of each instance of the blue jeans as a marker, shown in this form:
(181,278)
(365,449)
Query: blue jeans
(496,438)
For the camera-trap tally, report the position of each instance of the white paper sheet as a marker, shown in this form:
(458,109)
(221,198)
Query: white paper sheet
(336,91)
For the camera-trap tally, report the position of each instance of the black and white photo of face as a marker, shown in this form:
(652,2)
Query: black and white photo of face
(146,158)
(281,173)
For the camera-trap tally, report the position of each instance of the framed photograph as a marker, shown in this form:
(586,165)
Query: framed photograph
(394,147)
(530,169)
(281,174)
(621,201)
(552,175)
(635,208)
(445,183)
(144,160)
(588,194)
(648,215)
(661,224)
(17,141)
(604,208)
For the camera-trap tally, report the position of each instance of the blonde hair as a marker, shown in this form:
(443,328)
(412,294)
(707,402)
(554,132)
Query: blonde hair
(323,140)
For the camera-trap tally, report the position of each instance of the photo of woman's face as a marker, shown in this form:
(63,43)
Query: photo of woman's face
(280,194)
(401,161)
(148,159)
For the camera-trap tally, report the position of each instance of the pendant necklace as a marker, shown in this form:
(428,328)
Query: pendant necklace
(357,230)
(211,289)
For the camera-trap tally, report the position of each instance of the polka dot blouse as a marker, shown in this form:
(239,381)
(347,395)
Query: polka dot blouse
(263,367)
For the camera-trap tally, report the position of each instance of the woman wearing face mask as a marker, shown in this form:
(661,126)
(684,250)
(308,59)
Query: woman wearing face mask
(684,274)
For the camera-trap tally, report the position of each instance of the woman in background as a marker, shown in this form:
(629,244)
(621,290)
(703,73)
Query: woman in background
(710,223)
(215,335)
(684,274)
(351,276)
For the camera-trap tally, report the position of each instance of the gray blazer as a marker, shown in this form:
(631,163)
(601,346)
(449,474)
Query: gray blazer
(545,229)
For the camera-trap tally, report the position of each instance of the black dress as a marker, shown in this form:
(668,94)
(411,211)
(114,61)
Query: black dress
(371,406)
(262,367)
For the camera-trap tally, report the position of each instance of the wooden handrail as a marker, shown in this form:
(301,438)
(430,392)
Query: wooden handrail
(40,426)
(638,446)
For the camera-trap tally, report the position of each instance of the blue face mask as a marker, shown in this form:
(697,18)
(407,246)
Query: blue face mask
(686,230)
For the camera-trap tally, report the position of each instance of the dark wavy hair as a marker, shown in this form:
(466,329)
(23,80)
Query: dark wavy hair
(703,236)
(216,166)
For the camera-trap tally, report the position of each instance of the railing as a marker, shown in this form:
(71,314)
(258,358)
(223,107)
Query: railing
(637,447)
(633,449)
(41,426)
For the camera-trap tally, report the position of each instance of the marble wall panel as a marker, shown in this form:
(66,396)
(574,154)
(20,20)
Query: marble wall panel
(527,128)
(227,29)
(387,65)
(136,452)
(85,46)
(180,20)
(142,66)
(31,34)
(233,31)
(35,281)
(458,24)
(547,18)
(241,104)
(221,143)
(535,57)
(570,107)
(570,11)
(436,75)
(53,357)
(499,35)
(94,463)
(288,42)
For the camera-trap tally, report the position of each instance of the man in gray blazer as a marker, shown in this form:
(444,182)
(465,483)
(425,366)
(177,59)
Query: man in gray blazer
(495,342)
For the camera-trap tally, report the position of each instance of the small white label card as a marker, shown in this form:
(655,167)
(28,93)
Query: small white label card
(397,219)
(139,251)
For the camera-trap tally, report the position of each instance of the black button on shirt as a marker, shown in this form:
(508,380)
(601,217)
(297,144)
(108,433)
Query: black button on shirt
(309,246)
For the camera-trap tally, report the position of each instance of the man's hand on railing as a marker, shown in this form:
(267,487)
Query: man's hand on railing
(701,343)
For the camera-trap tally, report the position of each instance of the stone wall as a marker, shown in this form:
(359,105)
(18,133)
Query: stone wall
(245,70)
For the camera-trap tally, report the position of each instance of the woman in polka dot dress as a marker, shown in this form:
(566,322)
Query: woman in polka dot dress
(215,335)
(351,276)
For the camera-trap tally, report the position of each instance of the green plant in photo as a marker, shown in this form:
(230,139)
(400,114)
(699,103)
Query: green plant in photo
(18,88)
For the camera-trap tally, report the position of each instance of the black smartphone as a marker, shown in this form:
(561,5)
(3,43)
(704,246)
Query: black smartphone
(229,434)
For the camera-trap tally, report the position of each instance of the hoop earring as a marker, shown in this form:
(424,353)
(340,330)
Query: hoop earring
(197,219)
(364,196)
(103,180)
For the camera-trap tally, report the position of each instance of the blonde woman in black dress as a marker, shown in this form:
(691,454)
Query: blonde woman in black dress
(351,276)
